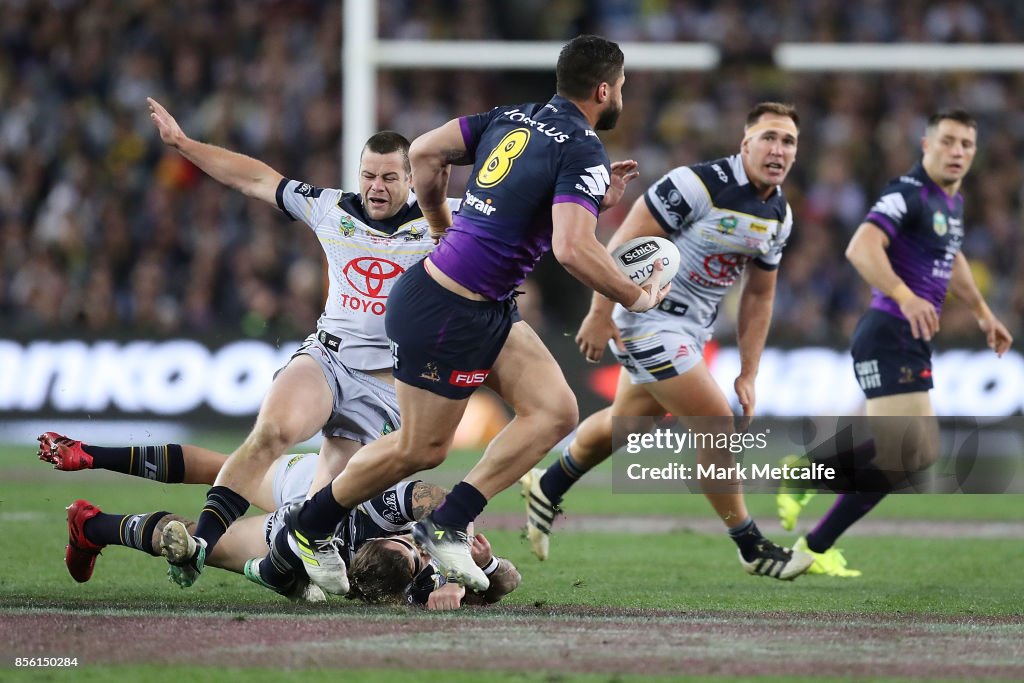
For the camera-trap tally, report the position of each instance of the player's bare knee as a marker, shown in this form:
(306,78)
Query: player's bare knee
(561,409)
(426,457)
(421,454)
(267,441)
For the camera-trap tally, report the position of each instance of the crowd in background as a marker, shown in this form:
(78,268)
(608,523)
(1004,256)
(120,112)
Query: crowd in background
(104,230)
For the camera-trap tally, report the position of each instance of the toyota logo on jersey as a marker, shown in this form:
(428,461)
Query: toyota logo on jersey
(368,274)
(721,266)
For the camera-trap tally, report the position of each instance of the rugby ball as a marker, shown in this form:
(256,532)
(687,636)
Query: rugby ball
(636,258)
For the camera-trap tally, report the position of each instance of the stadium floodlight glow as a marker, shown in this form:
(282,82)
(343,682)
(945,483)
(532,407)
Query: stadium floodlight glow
(892,57)
(533,55)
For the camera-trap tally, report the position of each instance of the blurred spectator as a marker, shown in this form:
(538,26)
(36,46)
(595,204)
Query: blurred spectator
(102,230)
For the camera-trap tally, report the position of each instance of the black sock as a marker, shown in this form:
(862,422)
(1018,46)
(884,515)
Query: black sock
(560,477)
(132,531)
(460,507)
(223,507)
(278,568)
(321,514)
(848,508)
(746,537)
(164,463)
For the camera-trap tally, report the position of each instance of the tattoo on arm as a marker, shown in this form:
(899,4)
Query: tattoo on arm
(458,157)
(425,497)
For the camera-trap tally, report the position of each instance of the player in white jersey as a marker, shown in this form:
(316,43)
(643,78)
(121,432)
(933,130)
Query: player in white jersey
(384,566)
(339,381)
(723,215)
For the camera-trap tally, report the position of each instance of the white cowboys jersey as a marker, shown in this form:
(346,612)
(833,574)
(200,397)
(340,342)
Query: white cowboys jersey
(713,214)
(364,257)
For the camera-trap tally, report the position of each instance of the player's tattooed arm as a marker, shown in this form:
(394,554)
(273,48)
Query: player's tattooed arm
(425,497)
(457,157)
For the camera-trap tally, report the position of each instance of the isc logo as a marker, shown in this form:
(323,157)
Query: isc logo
(638,253)
(468,378)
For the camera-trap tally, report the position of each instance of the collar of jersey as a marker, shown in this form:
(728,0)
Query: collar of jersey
(352,203)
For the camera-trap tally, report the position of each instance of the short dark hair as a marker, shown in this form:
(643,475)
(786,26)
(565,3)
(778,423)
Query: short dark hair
(958,115)
(778,108)
(380,574)
(388,141)
(586,62)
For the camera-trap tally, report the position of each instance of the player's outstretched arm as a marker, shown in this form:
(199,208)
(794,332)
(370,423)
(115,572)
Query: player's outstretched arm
(966,289)
(867,253)
(249,176)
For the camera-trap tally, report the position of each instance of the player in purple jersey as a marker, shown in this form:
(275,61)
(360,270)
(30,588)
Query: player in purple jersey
(540,176)
(908,250)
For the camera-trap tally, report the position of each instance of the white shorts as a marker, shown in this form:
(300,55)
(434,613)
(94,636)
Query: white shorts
(365,408)
(658,349)
(293,475)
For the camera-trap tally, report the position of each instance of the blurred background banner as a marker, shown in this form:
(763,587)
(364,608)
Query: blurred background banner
(220,385)
(105,234)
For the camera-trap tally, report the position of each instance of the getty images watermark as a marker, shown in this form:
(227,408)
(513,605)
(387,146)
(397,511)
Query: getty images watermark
(667,440)
(841,454)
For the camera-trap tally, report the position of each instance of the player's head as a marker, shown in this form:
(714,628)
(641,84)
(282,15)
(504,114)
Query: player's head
(590,68)
(385,175)
(383,569)
(769,143)
(948,147)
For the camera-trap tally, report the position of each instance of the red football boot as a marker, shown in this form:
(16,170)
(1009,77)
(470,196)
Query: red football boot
(65,454)
(80,553)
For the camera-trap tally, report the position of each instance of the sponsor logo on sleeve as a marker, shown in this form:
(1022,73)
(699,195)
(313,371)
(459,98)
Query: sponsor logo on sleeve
(307,190)
(596,181)
(892,205)
(389,511)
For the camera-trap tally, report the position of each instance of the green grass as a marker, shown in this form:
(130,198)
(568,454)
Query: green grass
(687,572)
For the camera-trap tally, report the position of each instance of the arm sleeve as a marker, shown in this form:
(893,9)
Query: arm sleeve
(678,199)
(472,127)
(392,510)
(771,260)
(583,176)
(305,202)
(889,212)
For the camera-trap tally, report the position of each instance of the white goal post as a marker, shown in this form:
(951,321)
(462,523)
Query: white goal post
(363,54)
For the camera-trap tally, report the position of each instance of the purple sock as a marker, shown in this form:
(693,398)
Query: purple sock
(848,508)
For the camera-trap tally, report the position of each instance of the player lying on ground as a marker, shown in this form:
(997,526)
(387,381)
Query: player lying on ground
(384,566)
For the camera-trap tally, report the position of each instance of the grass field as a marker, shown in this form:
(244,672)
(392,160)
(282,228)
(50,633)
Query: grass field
(638,586)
